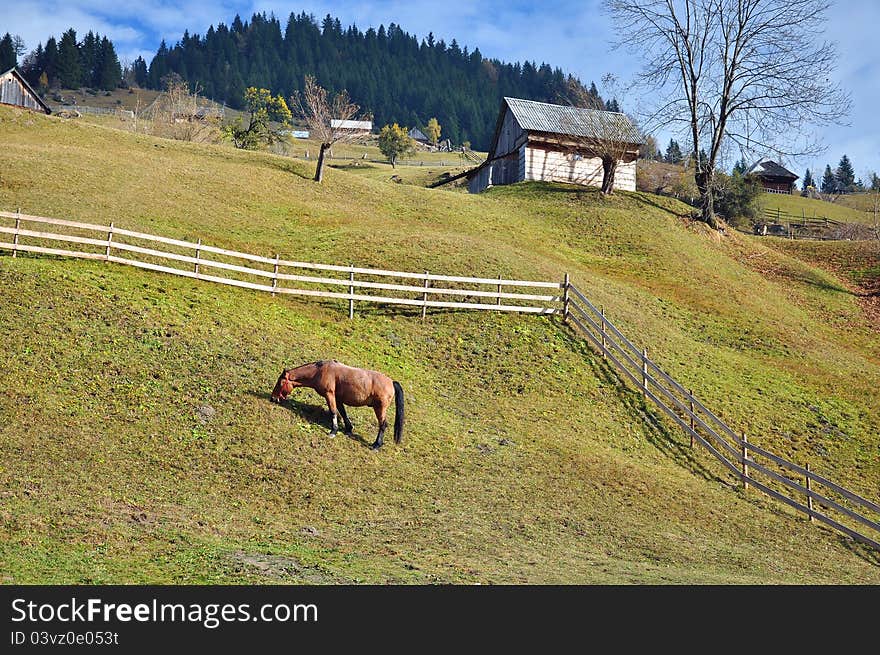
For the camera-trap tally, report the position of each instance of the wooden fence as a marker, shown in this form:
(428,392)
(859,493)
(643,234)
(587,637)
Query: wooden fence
(798,486)
(795,485)
(271,274)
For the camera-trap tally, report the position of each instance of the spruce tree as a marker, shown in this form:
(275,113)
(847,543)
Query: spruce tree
(7,53)
(673,153)
(829,181)
(109,72)
(807,183)
(845,175)
(69,66)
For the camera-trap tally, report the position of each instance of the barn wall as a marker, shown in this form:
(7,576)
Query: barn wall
(13,92)
(510,137)
(555,166)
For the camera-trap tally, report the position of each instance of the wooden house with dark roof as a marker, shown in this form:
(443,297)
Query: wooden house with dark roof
(542,141)
(417,135)
(773,177)
(15,91)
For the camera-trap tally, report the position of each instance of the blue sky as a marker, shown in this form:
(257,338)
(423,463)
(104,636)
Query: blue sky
(574,35)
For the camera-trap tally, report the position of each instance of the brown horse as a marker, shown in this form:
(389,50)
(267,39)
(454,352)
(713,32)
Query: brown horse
(343,385)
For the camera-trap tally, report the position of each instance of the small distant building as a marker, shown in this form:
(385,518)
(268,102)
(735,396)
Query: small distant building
(542,141)
(357,127)
(15,91)
(417,135)
(774,177)
(198,115)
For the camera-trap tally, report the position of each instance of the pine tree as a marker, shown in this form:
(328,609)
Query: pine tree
(109,72)
(807,183)
(90,54)
(673,153)
(829,181)
(139,71)
(7,53)
(69,66)
(50,61)
(845,175)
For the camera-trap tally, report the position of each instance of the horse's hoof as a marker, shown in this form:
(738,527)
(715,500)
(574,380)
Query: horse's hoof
(376,446)
(349,434)
(332,435)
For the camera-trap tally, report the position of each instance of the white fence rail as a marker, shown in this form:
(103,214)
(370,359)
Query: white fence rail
(273,274)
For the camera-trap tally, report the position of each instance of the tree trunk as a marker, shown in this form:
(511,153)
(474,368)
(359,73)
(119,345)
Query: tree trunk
(319,172)
(394,161)
(609,168)
(707,199)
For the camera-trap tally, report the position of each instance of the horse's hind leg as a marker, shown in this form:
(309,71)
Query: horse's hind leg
(381,411)
(349,428)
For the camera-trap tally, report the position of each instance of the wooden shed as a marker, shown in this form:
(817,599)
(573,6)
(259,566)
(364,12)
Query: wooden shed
(542,141)
(15,91)
(773,177)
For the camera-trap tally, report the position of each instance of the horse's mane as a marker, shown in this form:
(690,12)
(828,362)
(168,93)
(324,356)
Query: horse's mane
(317,364)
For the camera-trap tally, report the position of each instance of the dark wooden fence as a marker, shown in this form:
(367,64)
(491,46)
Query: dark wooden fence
(796,485)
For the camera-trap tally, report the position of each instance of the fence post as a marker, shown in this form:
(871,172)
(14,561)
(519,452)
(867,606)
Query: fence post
(745,454)
(645,372)
(565,300)
(604,342)
(499,290)
(809,489)
(109,241)
(15,236)
(351,294)
(425,297)
(275,274)
(198,256)
(691,396)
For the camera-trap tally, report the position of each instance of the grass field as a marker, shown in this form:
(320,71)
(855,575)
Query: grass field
(138,443)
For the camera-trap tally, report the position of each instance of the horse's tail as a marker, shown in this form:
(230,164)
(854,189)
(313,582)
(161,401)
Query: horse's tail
(398,412)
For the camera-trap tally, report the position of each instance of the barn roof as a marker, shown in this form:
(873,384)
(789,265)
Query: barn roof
(769,168)
(574,121)
(351,125)
(15,73)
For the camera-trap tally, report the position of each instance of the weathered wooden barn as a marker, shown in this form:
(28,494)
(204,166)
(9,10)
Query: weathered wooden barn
(773,177)
(15,91)
(541,141)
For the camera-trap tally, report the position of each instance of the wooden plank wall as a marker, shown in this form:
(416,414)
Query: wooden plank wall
(13,92)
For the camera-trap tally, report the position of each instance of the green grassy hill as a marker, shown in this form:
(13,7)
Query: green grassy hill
(138,443)
(798,206)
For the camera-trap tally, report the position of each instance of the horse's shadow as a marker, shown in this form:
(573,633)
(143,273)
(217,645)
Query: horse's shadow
(315,414)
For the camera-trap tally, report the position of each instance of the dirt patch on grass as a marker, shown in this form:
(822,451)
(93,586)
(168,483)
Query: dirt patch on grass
(281,569)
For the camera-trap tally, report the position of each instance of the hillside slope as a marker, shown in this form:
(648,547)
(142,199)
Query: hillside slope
(524,459)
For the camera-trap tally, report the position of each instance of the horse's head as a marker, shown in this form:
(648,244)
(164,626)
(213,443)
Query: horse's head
(283,387)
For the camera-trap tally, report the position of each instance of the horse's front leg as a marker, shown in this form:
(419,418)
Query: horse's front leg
(334,422)
(349,428)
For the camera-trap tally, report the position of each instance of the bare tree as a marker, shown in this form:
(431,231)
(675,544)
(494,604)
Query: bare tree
(747,73)
(610,136)
(328,119)
(180,114)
